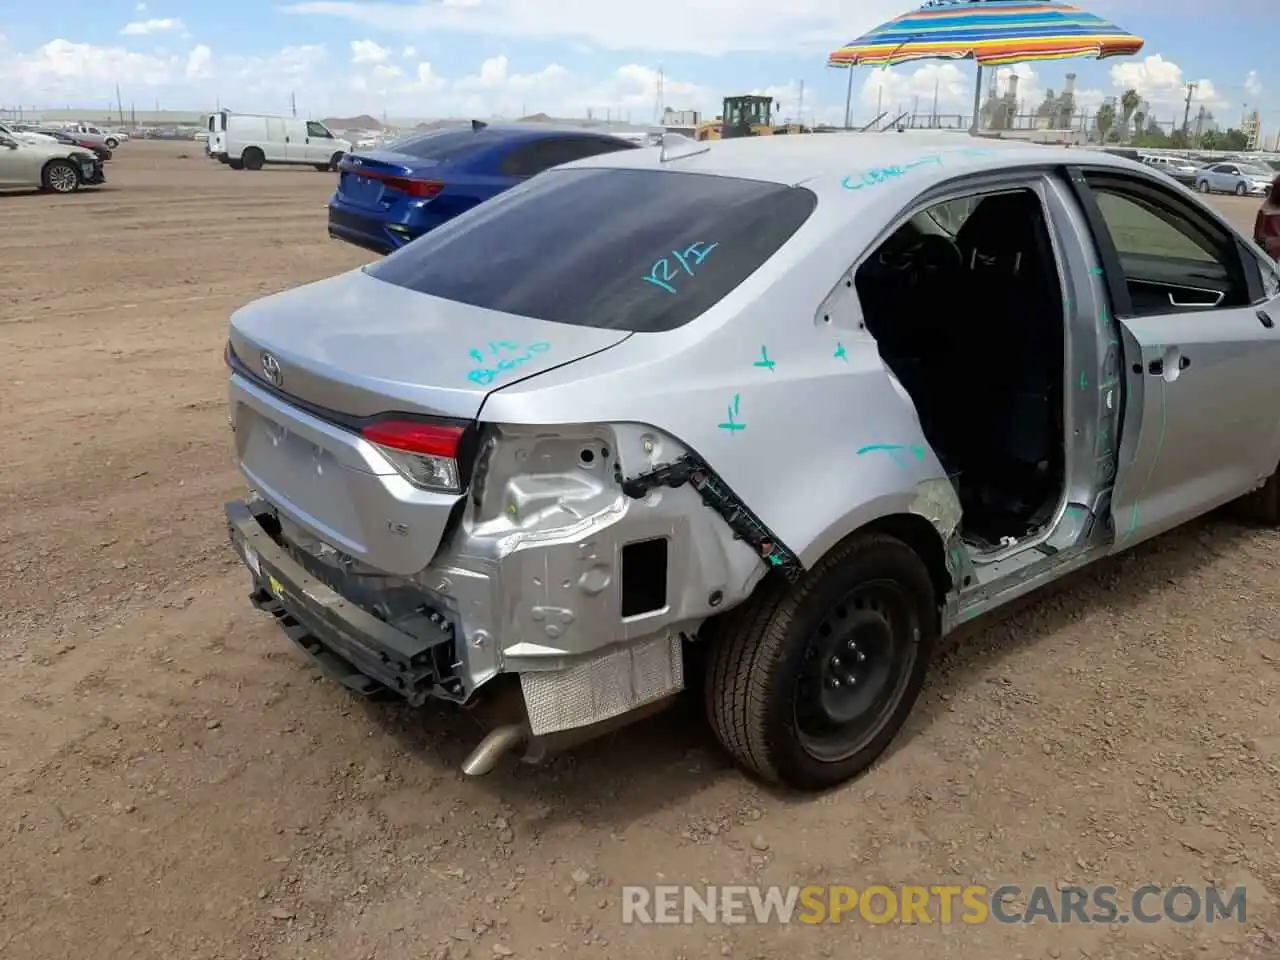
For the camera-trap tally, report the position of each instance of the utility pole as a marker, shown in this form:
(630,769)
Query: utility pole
(800,106)
(119,105)
(1186,113)
(933,117)
(293,103)
(1200,117)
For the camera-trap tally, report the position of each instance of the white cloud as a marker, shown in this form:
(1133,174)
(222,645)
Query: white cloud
(1161,83)
(1253,85)
(144,28)
(199,63)
(140,8)
(367,51)
(409,53)
(673,26)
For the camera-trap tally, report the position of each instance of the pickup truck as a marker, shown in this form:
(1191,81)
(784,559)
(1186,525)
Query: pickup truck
(89,135)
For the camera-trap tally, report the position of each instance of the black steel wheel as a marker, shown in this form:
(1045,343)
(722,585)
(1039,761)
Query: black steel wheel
(856,668)
(807,684)
(1263,505)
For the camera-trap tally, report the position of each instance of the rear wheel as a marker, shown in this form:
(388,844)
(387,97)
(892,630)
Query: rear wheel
(112,143)
(1202,186)
(807,684)
(335,160)
(1263,506)
(59,176)
(252,158)
(1240,190)
(322,167)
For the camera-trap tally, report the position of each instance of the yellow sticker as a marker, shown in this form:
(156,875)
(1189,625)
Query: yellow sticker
(275,585)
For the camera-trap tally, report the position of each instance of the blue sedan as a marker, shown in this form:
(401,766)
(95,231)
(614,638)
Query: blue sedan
(386,198)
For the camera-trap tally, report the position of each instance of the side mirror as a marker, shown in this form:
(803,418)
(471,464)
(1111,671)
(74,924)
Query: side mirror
(10,144)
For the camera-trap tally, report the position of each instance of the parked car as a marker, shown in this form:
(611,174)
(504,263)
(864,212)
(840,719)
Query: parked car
(1233,177)
(1180,169)
(98,136)
(70,140)
(54,167)
(25,135)
(386,198)
(654,406)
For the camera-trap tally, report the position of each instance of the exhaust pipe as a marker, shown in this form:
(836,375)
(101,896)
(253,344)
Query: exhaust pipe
(491,749)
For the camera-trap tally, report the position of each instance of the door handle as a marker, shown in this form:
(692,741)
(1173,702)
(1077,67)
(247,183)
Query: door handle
(1156,368)
(1266,320)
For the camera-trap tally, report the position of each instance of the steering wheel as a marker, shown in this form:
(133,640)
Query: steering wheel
(935,255)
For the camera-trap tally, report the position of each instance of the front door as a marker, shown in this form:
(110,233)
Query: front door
(1201,346)
(320,148)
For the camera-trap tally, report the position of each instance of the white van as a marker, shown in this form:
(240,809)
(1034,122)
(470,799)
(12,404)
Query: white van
(246,141)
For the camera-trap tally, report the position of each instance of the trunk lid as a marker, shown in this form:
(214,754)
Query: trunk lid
(357,187)
(357,347)
(360,346)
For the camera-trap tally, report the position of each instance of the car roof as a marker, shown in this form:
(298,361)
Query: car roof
(839,162)
(522,131)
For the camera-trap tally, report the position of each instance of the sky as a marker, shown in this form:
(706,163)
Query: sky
(485,58)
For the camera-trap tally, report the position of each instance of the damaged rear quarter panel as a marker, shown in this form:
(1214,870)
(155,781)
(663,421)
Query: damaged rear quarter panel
(785,398)
(544,528)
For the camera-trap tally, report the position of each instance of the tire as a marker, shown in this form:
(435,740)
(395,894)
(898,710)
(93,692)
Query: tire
(235,164)
(1263,506)
(1240,190)
(252,158)
(59,176)
(765,657)
(335,160)
(322,167)
(112,143)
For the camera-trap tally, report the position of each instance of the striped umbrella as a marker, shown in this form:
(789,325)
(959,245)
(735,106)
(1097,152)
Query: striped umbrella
(990,32)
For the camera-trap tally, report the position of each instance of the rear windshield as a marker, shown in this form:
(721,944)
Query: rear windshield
(637,250)
(442,145)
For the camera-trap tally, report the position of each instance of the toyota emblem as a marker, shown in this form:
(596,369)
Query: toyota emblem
(271,370)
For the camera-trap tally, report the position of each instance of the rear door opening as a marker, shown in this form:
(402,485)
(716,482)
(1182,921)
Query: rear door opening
(987,385)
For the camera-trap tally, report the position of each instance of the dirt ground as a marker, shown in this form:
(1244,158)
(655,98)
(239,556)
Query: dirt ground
(176,782)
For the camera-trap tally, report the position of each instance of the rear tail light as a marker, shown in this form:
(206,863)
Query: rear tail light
(426,454)
(421,189)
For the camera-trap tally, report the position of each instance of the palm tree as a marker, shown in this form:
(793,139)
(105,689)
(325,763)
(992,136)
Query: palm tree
(1104,119)
(1129,103)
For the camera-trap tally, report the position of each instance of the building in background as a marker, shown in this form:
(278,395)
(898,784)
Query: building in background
(680,118)
(1251,127)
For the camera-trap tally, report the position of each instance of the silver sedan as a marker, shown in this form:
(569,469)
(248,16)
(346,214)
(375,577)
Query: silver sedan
(1238,178)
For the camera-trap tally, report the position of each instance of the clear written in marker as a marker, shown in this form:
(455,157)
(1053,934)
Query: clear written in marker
(680,266)
(879,175)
